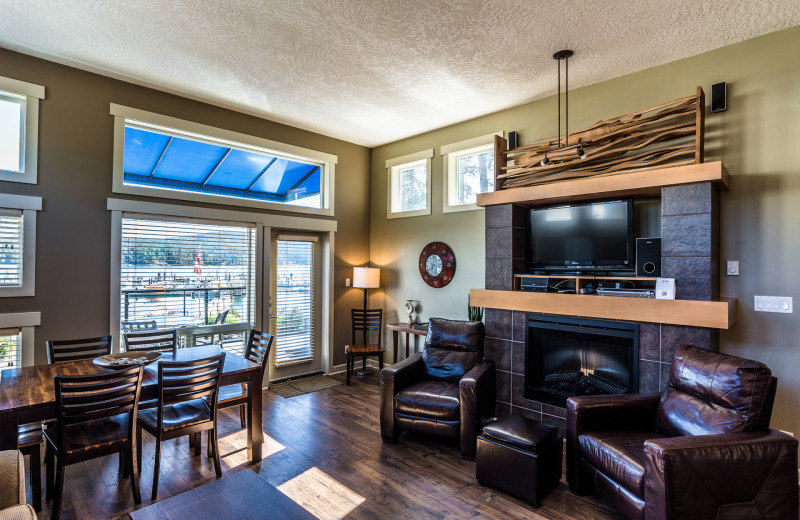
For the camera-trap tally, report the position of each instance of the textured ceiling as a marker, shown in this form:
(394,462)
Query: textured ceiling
(372,72)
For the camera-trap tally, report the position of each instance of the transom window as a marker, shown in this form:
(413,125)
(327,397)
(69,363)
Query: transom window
(196,162)
(468,171)
(19,130)
(10,348)
(18,244)
(410,185)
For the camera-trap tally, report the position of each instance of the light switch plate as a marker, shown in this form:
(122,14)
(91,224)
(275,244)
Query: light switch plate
(782,304)
(733,268)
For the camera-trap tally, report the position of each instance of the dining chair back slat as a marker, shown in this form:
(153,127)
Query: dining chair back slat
(60,351)
(177,381)
(85,398)
(259,346)
(152,341)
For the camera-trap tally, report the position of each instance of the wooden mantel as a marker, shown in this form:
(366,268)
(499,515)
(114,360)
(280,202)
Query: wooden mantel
(712,314)
(641,182)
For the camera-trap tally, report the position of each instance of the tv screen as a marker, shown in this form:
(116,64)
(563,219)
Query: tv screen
(594,236)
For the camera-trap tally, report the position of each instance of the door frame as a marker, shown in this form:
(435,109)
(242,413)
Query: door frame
(264,223)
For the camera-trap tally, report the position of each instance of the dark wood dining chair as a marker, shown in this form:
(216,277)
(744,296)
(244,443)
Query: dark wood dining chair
(258,348)
(182,409)
(364,321)
(61,351)
(96,416)
(152,340)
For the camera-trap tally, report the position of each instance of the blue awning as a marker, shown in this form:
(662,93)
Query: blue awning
(161,160)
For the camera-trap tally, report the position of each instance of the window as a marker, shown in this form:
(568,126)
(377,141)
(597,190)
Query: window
(409,185)
(16,339)
(468,171)
(165,157)
(18,244)
(295,302)
(197,277)
(19,130)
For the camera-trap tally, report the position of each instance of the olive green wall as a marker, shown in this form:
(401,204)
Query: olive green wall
(75,164)
(757,139)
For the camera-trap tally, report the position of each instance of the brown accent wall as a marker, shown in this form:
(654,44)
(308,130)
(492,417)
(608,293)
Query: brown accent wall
(75,168)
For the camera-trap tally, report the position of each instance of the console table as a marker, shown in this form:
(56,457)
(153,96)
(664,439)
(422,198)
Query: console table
(397,328)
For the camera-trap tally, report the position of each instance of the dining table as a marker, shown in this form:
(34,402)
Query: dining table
(27,394)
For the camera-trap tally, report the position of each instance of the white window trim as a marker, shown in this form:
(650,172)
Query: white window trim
(141,117)
(264,224)
(449,153)
(29,206)
(26,321)
(391,164)
(33,93)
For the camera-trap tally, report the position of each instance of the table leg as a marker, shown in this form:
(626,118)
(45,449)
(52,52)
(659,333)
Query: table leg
(255,434)
(8,431)
(407,342)
(395,342)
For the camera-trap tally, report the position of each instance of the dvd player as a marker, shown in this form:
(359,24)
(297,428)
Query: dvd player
(629,293)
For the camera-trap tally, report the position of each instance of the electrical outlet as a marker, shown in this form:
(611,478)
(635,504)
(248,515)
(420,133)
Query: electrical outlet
(782,304)
(733,268)
(347,282)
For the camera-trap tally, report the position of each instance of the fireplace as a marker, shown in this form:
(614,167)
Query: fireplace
(574,356)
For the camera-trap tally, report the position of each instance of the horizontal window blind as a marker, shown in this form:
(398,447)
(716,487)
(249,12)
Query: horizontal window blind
(10,348)
(295,302)
(11,241)
(196,277)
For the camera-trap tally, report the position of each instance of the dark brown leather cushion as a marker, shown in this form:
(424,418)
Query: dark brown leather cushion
(437,400)
(711,393)
(455,335)
(521,433)
(178,415)
(447,365)
(362,349)
(100,432)
(619,455)
(231,392)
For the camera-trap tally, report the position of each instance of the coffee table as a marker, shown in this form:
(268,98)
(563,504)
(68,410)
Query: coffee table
(241,495)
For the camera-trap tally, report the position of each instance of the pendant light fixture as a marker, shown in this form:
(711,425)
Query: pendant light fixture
(564,56)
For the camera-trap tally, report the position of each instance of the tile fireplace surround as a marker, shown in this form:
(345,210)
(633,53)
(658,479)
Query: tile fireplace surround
(690,252)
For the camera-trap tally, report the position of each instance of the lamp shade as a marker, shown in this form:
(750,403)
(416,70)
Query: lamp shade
(366,277)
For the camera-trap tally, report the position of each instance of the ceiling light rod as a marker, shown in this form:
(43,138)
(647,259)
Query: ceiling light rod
(563,55)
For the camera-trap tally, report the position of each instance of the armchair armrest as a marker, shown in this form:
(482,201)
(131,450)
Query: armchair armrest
(746,474)
(604,412)
(393,379)
(477,391)
(12,479)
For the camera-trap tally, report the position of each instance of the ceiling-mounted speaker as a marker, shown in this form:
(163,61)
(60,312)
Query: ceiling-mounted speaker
(513,140)
(719,97)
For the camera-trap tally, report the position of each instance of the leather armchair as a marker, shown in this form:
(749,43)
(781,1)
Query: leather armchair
(447,390)
(702,449)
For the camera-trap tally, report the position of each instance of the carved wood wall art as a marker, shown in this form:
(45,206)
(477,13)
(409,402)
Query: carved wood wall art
(669,134)
(437,264)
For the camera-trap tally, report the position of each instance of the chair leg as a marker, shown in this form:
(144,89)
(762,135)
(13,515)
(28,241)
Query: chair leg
(243,415)
(137,497)
(191,441)
(49,460)
(349,364)
(380,361)
(36,478)
(58,490)
(363,363)
(212,434)
(156,467)
(196,443)
(139,449)
(210,447)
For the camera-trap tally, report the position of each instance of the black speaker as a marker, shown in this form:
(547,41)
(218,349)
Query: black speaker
(648,257)
(513,140)
(719,97)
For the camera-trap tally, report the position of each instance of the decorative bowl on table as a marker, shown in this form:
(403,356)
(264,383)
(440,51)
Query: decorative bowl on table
(122,360)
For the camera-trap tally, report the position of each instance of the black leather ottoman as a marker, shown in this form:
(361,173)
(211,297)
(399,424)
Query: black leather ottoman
(520,457)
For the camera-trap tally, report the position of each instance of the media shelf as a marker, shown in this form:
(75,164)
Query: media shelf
(719,314)
(580,281)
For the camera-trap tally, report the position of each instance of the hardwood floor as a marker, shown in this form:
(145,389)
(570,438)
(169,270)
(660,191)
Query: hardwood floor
(330,441)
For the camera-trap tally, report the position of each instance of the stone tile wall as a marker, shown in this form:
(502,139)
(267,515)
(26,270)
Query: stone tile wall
(690,252)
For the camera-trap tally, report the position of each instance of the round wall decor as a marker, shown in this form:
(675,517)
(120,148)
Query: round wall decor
(437,264)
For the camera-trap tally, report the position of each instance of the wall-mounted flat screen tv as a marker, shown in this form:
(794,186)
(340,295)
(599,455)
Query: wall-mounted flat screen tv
(583,236)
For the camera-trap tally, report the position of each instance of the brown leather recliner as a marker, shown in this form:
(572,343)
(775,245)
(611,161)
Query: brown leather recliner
(701,450)
(446,390)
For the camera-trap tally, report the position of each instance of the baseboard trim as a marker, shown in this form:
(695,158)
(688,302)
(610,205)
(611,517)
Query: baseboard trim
(338,369)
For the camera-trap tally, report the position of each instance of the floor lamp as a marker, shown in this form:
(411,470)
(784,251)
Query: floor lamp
(366,278)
